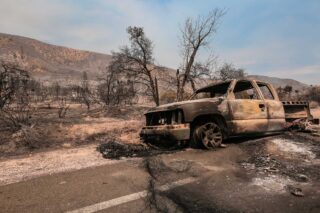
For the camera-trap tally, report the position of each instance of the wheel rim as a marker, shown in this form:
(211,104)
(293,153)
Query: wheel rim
(210,135)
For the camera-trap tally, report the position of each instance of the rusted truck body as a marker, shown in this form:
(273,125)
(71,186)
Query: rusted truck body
(223,110)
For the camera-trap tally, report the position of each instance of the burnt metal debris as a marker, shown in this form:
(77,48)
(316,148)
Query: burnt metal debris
(227,109)
(114,149)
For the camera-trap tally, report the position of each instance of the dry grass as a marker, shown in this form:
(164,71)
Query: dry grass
(124,129)
(78,127)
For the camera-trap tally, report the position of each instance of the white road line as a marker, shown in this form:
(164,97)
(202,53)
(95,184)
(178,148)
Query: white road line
(131,197)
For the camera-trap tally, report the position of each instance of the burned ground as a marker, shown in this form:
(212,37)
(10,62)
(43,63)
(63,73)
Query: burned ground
(296,158)
(270,174)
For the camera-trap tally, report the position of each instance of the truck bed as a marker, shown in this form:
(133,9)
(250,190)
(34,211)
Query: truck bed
(295,110)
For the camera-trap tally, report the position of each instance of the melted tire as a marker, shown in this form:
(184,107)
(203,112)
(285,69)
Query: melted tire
(200,136)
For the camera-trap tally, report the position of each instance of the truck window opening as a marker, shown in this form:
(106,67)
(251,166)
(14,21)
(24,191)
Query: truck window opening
(214,91)
(266,92)
(245,90)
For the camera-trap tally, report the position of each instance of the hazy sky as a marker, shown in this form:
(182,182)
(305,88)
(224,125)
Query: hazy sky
(267,37)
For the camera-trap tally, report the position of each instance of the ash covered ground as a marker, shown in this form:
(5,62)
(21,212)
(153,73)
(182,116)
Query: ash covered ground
(279,173)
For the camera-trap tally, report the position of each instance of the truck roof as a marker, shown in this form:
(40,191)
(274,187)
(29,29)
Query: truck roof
(213,85)
(222,83)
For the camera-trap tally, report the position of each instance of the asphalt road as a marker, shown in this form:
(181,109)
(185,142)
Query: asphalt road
(252,176)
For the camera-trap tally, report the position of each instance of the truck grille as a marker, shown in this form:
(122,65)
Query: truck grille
(164,118)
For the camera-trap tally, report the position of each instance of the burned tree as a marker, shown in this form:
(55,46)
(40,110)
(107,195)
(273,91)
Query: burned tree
(115,88)
(288,90)
(284,92)
(55,91)
(15,106)
(136,62)
(85,92)
(195,35)
(63,107)
(229,71)
(313,93)
(11,78)
(201,71)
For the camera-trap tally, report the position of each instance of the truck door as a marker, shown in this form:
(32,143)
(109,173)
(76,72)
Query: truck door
(247,109)
(275,110)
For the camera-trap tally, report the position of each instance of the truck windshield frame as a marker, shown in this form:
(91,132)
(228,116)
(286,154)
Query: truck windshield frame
(213,91)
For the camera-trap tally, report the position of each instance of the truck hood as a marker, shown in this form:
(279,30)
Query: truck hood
(183,104)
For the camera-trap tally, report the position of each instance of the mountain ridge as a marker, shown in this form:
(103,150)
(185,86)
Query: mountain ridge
(47,61)
(54,62)
(279,82)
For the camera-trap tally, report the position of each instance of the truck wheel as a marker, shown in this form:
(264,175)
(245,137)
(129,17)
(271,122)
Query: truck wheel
(209,135)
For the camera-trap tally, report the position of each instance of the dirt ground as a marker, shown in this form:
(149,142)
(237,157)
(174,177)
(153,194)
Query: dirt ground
(51,162)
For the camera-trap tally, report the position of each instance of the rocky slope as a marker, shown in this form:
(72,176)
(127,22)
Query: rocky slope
(51,62)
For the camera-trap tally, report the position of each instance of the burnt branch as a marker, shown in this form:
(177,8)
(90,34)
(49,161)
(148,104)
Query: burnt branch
(196,34)
(136,62)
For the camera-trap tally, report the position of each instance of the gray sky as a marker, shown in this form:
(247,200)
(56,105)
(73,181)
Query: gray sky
(265,37)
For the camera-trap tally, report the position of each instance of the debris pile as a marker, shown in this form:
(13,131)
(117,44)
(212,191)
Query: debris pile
(313,129)
(304,125)
(265,163)
(283,164)
(114,149)
(295,190)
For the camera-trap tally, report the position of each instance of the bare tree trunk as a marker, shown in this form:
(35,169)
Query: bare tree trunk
(193,85)
(178,84)
(157,101)
(196,34)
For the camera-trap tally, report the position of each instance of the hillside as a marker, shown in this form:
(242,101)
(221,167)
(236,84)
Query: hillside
(57,63)
(51,62)
(279,82)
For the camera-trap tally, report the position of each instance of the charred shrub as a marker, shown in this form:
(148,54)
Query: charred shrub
(15,102)
(28,137)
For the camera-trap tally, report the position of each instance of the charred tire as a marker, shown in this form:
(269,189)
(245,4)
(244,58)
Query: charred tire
(208,136)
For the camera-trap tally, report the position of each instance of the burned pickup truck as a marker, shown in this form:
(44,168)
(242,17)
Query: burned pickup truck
(223,110)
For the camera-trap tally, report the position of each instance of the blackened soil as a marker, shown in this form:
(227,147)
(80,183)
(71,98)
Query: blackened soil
(266,174)
(114,149)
